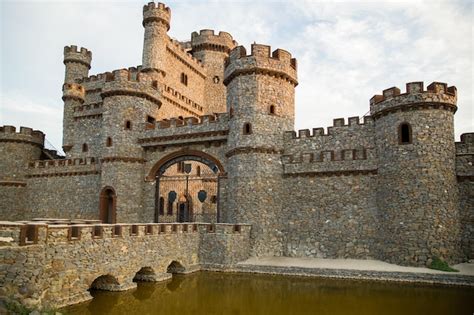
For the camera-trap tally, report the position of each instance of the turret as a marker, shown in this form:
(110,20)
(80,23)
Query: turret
(156,21)
(77,62)
(417,194)
(260,99)
(73,96)
(212,50)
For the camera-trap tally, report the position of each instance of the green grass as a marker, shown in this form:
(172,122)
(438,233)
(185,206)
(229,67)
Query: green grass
(439,264)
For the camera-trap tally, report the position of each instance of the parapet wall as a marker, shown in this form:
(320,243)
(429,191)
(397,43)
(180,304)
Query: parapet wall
(342,148)
(279,63)
(87,251)
(82,55)
(156,13)
(465,157)
(186,130)
(436,95)
(25,135)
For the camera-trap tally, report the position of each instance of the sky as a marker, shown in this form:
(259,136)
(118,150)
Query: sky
(347,51)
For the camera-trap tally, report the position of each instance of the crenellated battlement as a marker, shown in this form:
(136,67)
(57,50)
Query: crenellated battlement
(208,40)
(206,128)
(82,55)
(26,134)
(338,122)
(279,63)
(331,162)
(436,95)
(63,167)
(130,83)
(156,13)
(73,91)
(62,162)
(465,157)
(134,73)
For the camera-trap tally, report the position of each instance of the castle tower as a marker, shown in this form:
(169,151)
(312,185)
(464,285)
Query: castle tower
(260,99)
(156,21)
(417,194)
(78,63)
(129,97)
(73,96)
(212,50)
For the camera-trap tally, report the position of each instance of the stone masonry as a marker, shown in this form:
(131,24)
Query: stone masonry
(392,185)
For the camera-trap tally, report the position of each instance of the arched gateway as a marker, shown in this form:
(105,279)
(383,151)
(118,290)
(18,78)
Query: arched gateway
(187,187)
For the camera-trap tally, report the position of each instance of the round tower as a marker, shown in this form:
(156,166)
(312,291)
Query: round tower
(77,62)
(212,50)
(17,149)
(260,99)
(156,21)
(73,96)
(417,192)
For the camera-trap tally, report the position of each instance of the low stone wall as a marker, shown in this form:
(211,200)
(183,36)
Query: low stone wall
(54,265)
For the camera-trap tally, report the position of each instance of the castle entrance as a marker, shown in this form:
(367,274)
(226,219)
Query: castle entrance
(187,188)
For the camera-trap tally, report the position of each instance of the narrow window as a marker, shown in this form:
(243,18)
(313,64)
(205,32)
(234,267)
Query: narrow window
(272,110)
(404,133)
(150,119)
(231,112)
(109,142)
(184,79)
(198,171)
(162,206)
(85,147)
(216,79)
(247,129)
(128,125)
(170,207)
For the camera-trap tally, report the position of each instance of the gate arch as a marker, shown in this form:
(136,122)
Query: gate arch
(160,167)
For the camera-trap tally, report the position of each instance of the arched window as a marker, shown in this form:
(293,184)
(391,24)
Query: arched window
(170,207)
(404,133)
(85,147)
(109,141)
(231,112)
(108,204)
(128,125)
(247,129)
(272,110)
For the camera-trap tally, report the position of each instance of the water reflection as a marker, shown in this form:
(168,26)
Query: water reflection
(235,294)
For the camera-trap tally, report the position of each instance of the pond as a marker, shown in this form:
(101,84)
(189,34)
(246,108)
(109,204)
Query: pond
(226,293)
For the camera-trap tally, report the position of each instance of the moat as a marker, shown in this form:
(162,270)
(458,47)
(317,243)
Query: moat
(223,293)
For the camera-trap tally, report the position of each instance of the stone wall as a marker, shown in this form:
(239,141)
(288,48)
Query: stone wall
(55,265)
(465,176)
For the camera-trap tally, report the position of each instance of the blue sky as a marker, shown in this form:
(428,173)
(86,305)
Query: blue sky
(347,51)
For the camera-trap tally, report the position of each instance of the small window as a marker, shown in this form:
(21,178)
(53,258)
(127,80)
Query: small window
(170,207)
(109,141)
(231,112)
(198,171)
(150,119)
(162,206)
(184,79)
(214,199)
(272,110)
(216,79)
(247,129)
(404,133)
(85,147)
(128,125)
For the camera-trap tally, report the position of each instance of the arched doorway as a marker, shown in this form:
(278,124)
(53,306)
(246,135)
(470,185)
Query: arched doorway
(187,184)
(108,205)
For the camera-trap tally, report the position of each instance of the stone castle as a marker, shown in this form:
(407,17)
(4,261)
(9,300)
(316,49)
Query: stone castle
(202,131)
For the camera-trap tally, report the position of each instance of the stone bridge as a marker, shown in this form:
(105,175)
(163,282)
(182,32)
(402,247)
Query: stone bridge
(55,263)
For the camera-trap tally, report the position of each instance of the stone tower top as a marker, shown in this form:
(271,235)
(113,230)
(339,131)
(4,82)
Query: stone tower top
(279,63)
(436,94)
(82,56)
(207,40)
(159,12)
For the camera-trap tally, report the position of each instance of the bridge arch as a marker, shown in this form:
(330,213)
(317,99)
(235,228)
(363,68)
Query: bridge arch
(106,283)
(175,267)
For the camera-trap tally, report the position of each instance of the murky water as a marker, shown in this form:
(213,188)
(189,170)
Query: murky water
(238,294)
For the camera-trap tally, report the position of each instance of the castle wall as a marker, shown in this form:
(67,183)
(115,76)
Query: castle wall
(330,216)
(13,201)
(465,182)
(63,189)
